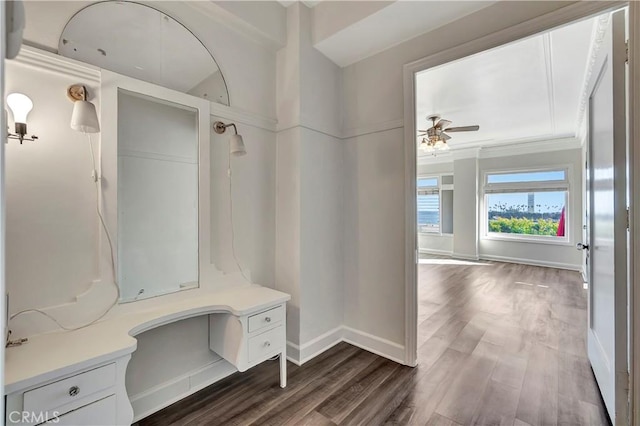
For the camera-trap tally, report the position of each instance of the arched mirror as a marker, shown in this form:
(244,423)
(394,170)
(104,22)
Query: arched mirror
(141,42)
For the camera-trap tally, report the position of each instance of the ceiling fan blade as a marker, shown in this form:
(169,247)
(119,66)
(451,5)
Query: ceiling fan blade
(445,136)
(422,131)
(463,129)
(442,124)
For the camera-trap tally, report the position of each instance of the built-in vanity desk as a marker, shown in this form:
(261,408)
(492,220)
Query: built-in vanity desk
(79,376)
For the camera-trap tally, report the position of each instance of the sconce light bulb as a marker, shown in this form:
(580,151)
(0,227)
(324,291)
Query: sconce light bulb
(20,106)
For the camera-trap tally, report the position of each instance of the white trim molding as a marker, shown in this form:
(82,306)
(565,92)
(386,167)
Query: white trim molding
(634,225)
(565,15)
(300,354)
(47,61)
(556,265)
(377,127)
(238,115)
(436,252)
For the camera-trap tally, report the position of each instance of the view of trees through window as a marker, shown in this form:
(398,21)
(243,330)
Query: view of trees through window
(527,202)
(531,213)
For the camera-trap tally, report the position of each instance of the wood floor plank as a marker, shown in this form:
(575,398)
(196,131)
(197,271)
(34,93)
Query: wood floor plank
(439,420)
(420,404)
(351,394)
(464,393)
(377,407)
(497,406)
(315,419)
(304,398)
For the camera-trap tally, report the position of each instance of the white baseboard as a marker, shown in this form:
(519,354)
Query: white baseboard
(293,353)
(374,344)
(165,394)
(299,354)
(438,252)
(324,342)
(543,263)
(464,256)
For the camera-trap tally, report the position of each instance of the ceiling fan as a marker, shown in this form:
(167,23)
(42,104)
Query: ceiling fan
(435,138)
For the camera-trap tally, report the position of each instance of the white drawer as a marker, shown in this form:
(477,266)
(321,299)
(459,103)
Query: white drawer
(101,412)
(57,394)
(264,319)
(266,344)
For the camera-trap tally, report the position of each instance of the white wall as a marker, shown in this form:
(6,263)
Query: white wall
(52,227)
(321,248)
(373,98)
(374,234)
(309,242)
(465,207)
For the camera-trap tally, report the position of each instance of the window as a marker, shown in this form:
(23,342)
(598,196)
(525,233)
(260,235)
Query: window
(527,205)
(429,205)
(435,204)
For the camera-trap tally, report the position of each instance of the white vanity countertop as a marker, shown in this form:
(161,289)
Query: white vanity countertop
(51,355)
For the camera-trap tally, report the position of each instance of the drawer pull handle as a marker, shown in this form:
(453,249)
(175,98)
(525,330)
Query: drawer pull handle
(267,319)
(267,344)
(74,390)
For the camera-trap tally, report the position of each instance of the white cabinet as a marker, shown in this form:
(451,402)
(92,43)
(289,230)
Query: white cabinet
(249,340)
(93,396)
(79,376)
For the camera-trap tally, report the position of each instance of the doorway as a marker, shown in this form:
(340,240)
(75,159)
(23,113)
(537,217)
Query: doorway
(475,284)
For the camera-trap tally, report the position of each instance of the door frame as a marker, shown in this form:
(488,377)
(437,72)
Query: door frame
(563,16)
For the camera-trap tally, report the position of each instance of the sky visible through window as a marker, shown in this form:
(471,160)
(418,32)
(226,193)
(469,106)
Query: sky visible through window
(527,177)
(543,202)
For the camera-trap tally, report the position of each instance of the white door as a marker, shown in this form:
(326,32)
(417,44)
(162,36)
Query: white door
(607,327)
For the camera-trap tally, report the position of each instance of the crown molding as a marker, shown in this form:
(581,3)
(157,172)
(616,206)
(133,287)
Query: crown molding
(51,62)
(599,32)
(504,150)
(531,147)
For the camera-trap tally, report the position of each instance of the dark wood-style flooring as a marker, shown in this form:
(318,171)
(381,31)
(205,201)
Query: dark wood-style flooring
(500,344)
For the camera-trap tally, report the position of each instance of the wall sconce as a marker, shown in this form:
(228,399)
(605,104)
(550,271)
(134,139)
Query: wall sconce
(84,117)
(20,106)
(236,144)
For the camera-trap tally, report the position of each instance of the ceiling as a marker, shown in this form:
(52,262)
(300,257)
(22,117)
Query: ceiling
(528,90)
(396,22)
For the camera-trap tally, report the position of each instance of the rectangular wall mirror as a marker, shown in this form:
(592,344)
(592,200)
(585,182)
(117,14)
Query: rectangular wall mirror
(157,197)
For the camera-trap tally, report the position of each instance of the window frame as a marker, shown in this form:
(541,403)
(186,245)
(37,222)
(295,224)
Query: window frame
(563,185)
(434,190)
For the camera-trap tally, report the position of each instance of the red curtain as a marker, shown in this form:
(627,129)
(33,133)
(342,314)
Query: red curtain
(560,232)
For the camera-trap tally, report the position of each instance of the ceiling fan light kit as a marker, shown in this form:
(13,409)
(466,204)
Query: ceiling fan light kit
(435,138)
